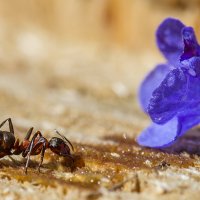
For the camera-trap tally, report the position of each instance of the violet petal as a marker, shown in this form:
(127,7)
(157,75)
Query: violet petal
(169,39)
(192,65)
(169,97)
(150,83)
(164,135)
(160,135)
(177,94)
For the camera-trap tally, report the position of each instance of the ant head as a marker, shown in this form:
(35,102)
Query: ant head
(60,146)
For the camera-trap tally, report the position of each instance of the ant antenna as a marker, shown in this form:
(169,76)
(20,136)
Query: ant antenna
(64,138)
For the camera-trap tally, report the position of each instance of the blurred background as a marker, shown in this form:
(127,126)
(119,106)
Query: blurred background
(126,23)
(77,64)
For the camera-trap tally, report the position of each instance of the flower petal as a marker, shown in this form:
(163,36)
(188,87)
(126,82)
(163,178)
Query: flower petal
(178,93)
(190,118)
(150,83)
(192,65)
(192,96)
(169,39)
(169,97)
(158,135)
(191,47)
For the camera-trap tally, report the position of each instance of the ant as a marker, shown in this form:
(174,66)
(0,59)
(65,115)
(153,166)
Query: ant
(37,145)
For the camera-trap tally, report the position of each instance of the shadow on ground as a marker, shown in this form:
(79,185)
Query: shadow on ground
(190,143)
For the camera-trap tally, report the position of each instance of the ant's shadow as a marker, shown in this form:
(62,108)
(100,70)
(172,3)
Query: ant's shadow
(12,162)
(189,142)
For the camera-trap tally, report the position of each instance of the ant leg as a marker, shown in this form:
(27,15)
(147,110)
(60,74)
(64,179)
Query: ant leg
(27,162)
(42,141)
(42,155)
(19,147)
(31,144)
(10,125)
(29,149)
(28,135)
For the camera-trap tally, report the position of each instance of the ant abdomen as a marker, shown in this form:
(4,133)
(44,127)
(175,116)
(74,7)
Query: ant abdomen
(7,140)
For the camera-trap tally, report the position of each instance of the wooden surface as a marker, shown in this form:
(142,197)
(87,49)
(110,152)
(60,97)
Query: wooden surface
(90,97)
(76,67)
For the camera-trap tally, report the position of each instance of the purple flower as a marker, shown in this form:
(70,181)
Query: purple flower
(170,94)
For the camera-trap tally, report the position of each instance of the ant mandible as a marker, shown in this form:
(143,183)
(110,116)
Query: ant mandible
(37,145)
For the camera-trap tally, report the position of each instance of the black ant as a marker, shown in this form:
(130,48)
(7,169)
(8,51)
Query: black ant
(37,145)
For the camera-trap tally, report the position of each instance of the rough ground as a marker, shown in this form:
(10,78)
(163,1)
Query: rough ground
(89,95)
